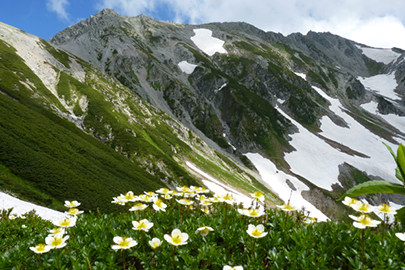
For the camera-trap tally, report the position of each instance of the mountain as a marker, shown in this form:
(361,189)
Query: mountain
(301,116)
(71,132)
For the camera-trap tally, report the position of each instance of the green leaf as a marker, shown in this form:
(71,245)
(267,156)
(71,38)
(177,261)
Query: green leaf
(391,151)
(378,186)
(400,215)
(401,159)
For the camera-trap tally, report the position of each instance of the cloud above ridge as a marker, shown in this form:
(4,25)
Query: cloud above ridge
(59,7)
(372,22)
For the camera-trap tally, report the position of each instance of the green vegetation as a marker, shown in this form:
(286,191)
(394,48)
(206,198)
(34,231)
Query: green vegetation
(373,67)
(289,240)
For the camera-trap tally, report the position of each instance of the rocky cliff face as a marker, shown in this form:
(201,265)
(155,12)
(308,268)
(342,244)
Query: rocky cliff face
(304,102)
(258,91)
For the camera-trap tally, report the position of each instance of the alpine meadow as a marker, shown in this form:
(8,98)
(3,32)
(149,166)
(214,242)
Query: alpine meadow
(212,146)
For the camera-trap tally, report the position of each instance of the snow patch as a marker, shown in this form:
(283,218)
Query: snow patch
(186,67)
(219,89)
(385,56)
(21,207)
(383,84)
(302,75)
(277,180)
(393,119)
(204,41)
(219,188)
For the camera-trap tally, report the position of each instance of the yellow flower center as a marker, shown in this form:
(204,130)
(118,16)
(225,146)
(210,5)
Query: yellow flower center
(385,208)
(73,211)
(256,232)
(204,231)
(40,247)
(254,212)
(364,207)
(258,193)
(365,220)
(177,239)
(159,203)
(65,222)
(288,207)
(57,241)
(228,197)
(353,201)
(124,242)
(141,225)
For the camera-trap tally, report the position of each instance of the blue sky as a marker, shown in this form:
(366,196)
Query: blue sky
(372,22)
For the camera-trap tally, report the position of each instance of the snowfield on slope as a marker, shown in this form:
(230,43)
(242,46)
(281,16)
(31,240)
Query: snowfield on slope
(395,120)
(318,161)
(277,180)
(186,67)
(21,207)
(385,56)
(383,84)
(204,40)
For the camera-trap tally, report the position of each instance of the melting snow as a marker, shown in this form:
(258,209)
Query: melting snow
(395,120)
(21,207)
(384,84)
(385,56)
(302,75)
(204,41)
(277,180)
(219,188)
(186,67)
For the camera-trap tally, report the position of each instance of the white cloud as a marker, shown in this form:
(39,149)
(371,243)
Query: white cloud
(373,22)
(58,6)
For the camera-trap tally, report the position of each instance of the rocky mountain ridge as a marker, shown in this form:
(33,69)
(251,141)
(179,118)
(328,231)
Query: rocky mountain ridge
(314,108)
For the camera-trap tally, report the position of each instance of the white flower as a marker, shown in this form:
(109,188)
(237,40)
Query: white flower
(73,211)
(252,212)
(258,196)
(143,225)
(256,231)
(66,222)
(164,191)
(204,230)
(364,221)
(123,242)
(362,207)
(138,207)
(177,238)
(349,201)
(159,205)
(57,230)
(400,236)
(228,198)
(119,200)
(56,240)
(155,243)
(41,248)
(185,201)
(227,267)
(386,209)
(130,197)
(70,204)
(287,207)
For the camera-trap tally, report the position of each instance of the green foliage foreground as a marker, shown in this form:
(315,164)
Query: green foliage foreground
(289,243)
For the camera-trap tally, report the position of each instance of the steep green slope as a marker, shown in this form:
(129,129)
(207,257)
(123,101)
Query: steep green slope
(74,133)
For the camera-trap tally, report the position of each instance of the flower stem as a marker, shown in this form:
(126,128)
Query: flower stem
(383,228)
(123,259)
(226,216)
(362,249)
(253,250)
(57,257)
(174,249)
(285,224)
